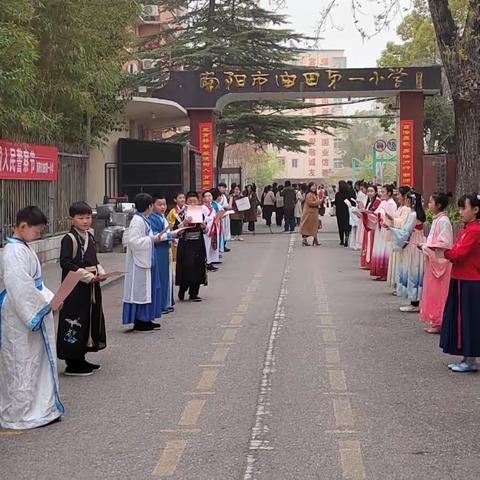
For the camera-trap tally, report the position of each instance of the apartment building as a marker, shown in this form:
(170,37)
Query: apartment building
(323,158)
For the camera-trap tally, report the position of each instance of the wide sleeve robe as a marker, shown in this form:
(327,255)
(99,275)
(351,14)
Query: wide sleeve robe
(28,369)
(138,264)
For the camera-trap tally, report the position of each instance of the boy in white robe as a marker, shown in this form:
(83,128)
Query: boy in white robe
(141,298)
(28,367)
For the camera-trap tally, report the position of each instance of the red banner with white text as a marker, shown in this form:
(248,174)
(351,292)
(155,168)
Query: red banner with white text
(406,153)
(25,161)
(206,149)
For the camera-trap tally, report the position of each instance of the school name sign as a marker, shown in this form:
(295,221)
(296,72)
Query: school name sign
(203,89)
(24,161)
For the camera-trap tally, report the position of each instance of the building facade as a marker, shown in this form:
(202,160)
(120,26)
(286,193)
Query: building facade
(323,158)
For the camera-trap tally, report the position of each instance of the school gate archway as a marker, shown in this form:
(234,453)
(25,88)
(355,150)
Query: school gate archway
(205,93)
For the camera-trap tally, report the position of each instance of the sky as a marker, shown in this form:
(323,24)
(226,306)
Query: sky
(340,32)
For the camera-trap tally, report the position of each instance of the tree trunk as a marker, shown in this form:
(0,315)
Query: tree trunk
(467,127)
(460,51)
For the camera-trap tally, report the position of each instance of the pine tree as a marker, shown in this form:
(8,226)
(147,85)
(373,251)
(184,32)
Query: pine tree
(235,34)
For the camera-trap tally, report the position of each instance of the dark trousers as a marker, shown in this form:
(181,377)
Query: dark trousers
(344,235)
(267,214)
(290,219)
(236,227)
(279,211)
(251,226)
(193,289)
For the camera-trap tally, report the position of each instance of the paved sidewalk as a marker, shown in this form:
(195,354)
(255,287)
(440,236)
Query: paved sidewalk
(111,262)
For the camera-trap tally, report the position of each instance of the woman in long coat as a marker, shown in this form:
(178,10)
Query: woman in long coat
(310,221)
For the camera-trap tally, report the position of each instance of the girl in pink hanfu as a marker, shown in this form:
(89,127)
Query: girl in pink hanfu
(382,245)
(437,269)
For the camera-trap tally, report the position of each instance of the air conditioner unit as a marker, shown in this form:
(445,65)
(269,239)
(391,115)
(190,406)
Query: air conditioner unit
(150,11)
(148,63)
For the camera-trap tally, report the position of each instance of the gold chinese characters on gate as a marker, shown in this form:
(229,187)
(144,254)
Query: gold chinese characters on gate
(333,79)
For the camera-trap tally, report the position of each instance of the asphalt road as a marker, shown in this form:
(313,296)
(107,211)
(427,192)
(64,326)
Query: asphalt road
(295,366)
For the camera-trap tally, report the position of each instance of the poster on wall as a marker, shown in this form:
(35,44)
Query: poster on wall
(206,149)
(406,152)
(25,161)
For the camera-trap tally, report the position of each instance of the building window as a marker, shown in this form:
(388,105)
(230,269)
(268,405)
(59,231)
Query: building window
(325,162)
(294,162)
(337,143)
(281,161)
(338,163)
(325,142)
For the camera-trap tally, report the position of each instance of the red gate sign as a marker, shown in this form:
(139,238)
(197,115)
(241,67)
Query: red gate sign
(206,148)
(24,161)
(406,153)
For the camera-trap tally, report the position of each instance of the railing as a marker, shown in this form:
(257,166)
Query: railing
(53,198)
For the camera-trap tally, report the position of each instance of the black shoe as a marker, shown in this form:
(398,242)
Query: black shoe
(93,366)
(226,249)
(196,299)
(211,268)
(156,326)
(143,327)
(181,295)
(80,370)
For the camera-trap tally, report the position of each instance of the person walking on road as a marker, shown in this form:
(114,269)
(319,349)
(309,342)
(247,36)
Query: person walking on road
(310,222)
(236,219)
(300,200)
(279,206)
(268,205)
(251,213)
(289,201)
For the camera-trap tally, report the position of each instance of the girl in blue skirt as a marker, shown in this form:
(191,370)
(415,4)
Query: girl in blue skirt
(461,318)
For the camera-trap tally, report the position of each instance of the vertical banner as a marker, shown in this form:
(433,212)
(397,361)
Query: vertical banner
(406,153)
(206,148)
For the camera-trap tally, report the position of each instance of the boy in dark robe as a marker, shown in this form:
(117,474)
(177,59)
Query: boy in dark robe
(191,269)
(81,325)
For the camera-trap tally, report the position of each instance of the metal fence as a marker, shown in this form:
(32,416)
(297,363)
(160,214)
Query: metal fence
(53,198)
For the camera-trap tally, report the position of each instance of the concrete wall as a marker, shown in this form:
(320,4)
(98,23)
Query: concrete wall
(96,167)
(47,249)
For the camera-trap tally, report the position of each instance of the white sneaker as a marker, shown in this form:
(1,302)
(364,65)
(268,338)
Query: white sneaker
(240,239)
(410,309)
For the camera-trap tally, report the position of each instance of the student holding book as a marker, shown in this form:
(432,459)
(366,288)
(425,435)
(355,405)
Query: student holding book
(191,270)
(81,323)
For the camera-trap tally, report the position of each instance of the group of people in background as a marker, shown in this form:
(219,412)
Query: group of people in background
(420,261)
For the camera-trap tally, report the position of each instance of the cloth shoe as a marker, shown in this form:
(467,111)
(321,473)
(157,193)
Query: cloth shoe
(78,370)
(464,367)
(196,298)
(410,309)
(143,327)
(93,366)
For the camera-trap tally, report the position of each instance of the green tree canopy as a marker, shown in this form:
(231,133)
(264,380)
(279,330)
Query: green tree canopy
(61,67)
(235,34)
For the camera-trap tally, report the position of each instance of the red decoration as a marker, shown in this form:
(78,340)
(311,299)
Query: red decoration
(24,161)
(406,152)
(206,148)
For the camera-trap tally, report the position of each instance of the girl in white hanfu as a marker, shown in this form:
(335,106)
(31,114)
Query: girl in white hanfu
(28,366)
(382,245)
(213,232)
